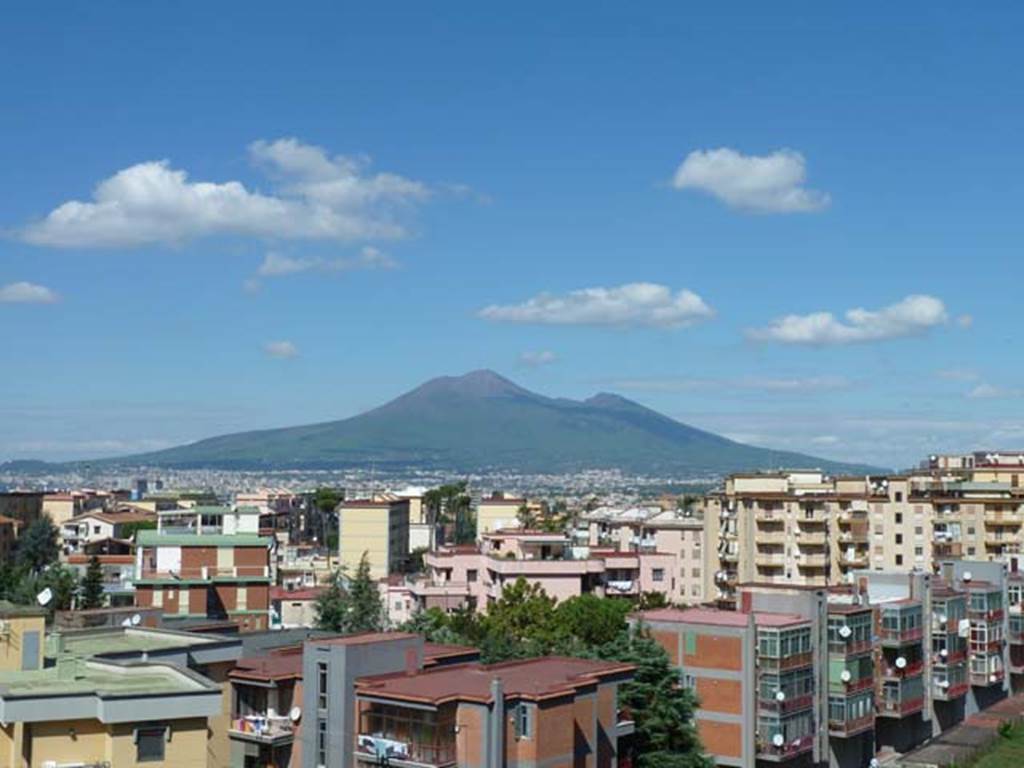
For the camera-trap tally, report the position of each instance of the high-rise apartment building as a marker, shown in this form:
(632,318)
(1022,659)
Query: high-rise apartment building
(377,528)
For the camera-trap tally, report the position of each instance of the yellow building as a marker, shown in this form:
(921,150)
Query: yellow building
(21,637)
(91,712)
(378,529)
(499,512)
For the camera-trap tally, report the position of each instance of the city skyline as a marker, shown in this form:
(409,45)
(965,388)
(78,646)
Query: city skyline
(790,231)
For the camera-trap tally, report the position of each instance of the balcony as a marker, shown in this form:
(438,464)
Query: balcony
(895,706)
(264,729)
(769,515)
(947,691)
(811,560)
(811,537)
(786,705)
(375,748)
(894,672)
(847,728)
(770,559)
(1003,517)
(856,686)
(853,559)
(905,636)
(984,680)
(793,661)
(770,536)
(208,573)
(769,750)
(993,615)
(950,549)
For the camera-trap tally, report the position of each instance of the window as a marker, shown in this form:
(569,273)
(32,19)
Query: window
(899,559)
(321,743)
(689,681)
(695,573)
(96,529)
(523,724)
(321,685)
(899,518)
(918,530)
(471,575)
(918,551)
(899,496)
(150,742)
(899,538)
(658,574)
(970,530)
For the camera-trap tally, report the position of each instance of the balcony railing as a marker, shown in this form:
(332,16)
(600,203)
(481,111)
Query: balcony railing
(897,707)
(995,614)
(913,669)
(852,726)
(794,704)
(209,573)
(768,750)
(262,728)
(373,747)
(950,691)
(792,661)
(983,680)
(908,635)
(856,686)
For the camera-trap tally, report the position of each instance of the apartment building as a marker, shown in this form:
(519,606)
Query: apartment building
(803,528)
(557,712)
(206,562)
(90,527)
(498,512)
(475,576)
(82,712)
(117,572)
(294,607)
(651,530)
(114,696)
(377,528)
(756,673)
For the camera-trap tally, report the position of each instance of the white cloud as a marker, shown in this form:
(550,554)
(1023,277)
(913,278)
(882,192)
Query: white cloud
(986,391)
(538,359)
(317,197)
(632,304)
(276,265)
(825,440)
(759,183)
(281,349)
(26,293)
(912,316)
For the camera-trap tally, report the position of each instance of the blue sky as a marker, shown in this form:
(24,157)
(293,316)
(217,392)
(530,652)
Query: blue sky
(355,199)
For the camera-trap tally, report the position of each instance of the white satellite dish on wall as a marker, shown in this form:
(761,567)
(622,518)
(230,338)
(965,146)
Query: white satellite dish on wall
(295,714)
(964,628)
(44,597)
(845,631)
(778,740)
(901,663)
(780,696)
(968,576)
(136,619)
(845,675)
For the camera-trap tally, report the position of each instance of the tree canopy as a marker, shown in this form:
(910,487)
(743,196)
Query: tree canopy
(351,605)
(39,545)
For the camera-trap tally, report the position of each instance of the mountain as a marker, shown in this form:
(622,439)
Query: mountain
(483,421)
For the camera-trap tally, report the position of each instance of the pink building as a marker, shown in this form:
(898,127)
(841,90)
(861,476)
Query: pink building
(476,576)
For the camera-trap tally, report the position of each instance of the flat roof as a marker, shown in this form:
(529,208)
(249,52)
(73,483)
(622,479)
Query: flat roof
(533,679)
(151,538)
(140,678)
(92,642)
(715,616)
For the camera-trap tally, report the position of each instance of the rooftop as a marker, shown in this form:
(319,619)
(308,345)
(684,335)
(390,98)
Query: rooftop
(9,609)
(152,538)
(74,676)
(720,618)
(532,679)
(93,642)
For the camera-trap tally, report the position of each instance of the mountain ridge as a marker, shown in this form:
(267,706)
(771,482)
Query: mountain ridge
(484,421)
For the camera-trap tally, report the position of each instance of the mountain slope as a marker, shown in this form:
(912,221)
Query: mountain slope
(480,421)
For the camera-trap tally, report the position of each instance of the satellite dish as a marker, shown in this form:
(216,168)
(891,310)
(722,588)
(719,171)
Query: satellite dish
(943,618)
(992,678)
(968,576)
(964,628)
(778,739)
(845,631)
(135,620)
(944,684)
(295,714)
(780,696)
(874,763)
(943,653)
(44,597)
(126,623)
(845,675)
(901,663)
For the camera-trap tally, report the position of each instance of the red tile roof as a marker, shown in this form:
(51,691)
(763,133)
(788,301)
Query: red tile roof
(532,679)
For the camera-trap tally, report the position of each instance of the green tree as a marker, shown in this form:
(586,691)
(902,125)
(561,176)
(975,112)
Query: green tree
(592,621)
(332,605)
(92,585)
(651,600)
(449,508)
(351,605)
(39,545)
(365,608)
(666,736)
(61,581)
(526,517)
